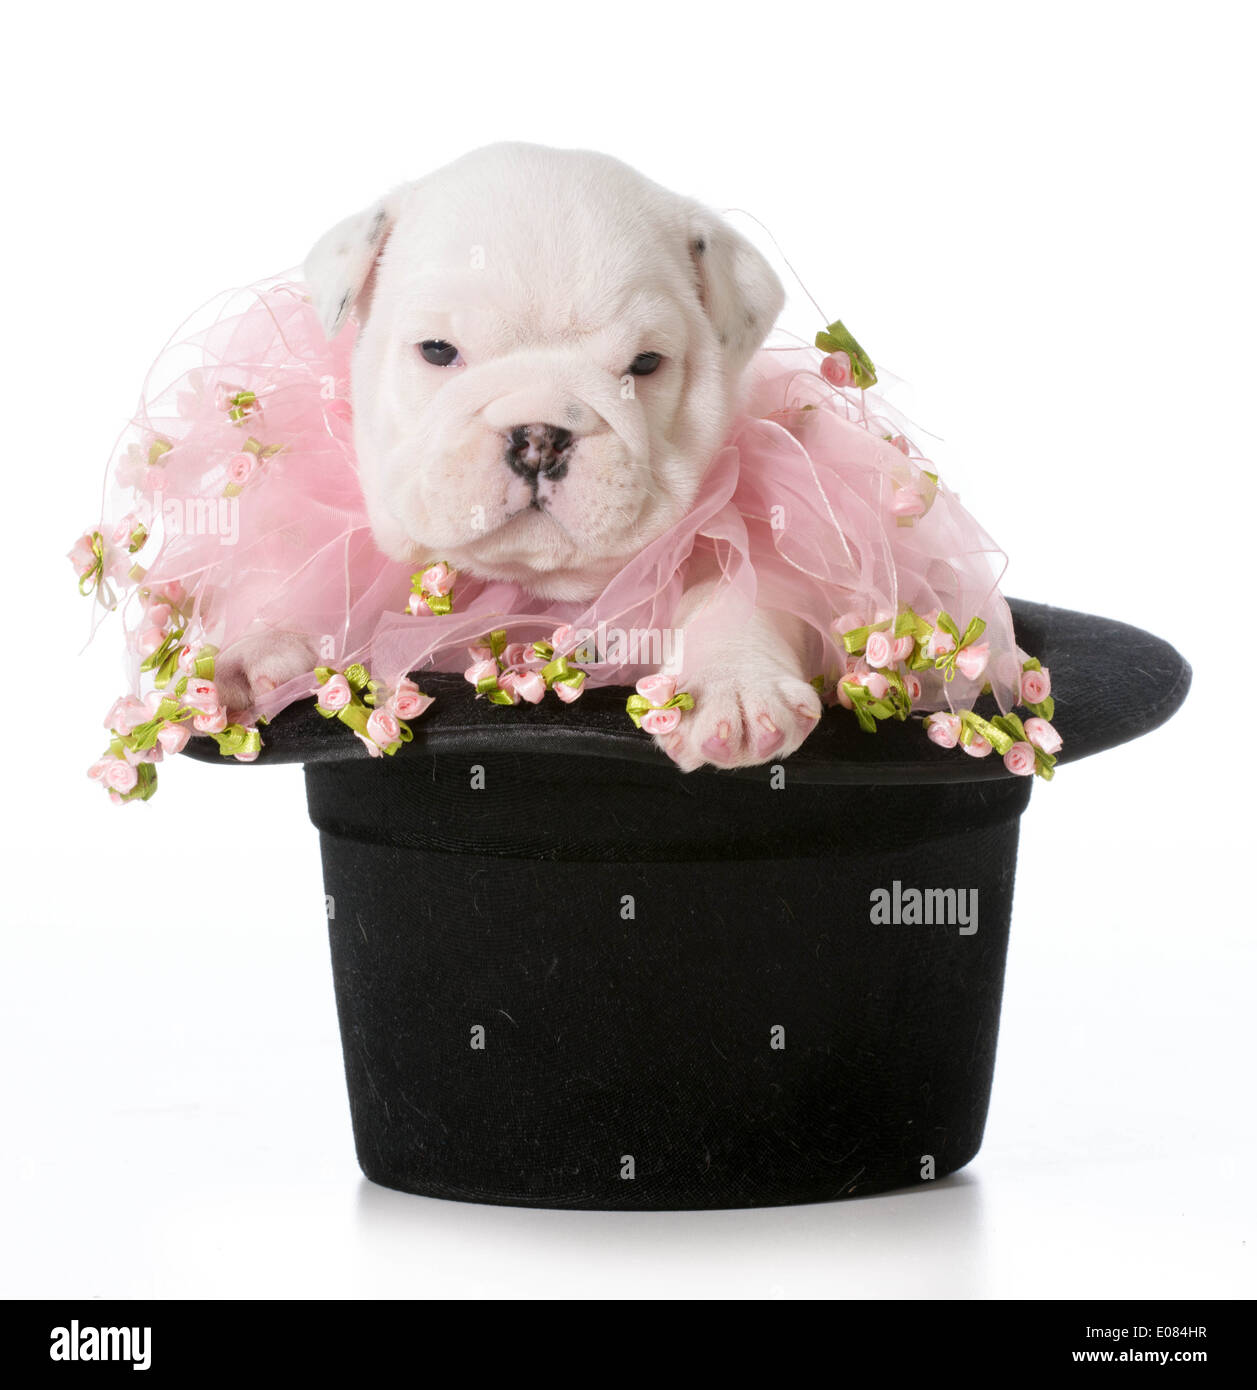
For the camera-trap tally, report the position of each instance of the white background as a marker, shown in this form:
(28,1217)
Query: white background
(1041,217)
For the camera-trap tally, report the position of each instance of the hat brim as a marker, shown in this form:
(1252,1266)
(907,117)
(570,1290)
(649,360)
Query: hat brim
(1112,682)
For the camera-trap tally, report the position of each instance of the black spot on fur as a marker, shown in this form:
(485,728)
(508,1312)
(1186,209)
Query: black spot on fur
(698,246)
(342,306)
(377,226)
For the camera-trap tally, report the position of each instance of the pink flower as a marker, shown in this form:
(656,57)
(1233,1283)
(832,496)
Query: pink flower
(567,693)
(875,683)
(843,695)
(1043,735)
(939,643)
(517,654)
(944,729)
(563,637)
(120,776)
(214,722)
(437,579)
(187,659)
(415,603)
(201,695)
(1036,686)
(335,693)
(173,737)
(481,671)
(149,640)
(530,686)
(482,651)
(901,648)
(1020,759)
(240,467)
(658,689)
(159,614)
(907,501)
(370,745)
(900,443)
(125,714)
(977,748)
(912,684)
(847,623)
(384,728)
(250,757)
(836,369)
(408,701)
(971,661)
(879,650)
(661,721)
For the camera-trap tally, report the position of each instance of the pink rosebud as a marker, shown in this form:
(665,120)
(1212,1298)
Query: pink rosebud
(415,603)
(875,683)
(1020,759)
(563,638)
(658,689)
(408,701)
(847,623)
(944,729)
(661,721)
(98,769)
(482,651)
(907,501)
(201,695)
(335,693)
(125,714)
(384,728)
(843,695)
(939,643)
(971,661)
(149,640)
(120,776)
(240,467)
(1036,686)
(159,614)
(173,737)
(836,369)
(567,693)
(437,579)
(214,722)
(187,659)
(517,654)
(912,684)
(978,747)
(879,649)
(251,756)
(901,648)
(481,671)
(1043,735)
(530,686)
(82,556)
(900,443)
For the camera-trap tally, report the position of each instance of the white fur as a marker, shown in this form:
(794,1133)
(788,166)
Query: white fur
(550,271)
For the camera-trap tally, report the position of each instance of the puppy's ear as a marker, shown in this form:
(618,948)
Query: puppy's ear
(338,270)
(739,289)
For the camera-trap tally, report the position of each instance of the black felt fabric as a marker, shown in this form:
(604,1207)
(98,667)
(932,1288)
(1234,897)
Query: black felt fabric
(651,1038)
(478,880)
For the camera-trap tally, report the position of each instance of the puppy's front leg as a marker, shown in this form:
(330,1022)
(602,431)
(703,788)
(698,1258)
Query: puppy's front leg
(256,665)
(752,700)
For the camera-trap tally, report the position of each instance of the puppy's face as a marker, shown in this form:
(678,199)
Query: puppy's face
(547,359)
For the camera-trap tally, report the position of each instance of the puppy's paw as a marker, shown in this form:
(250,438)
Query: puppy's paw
(257,665)
(743,720)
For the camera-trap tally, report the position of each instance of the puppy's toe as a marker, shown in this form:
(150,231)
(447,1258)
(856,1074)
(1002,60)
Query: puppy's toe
(256,666)
(742,722)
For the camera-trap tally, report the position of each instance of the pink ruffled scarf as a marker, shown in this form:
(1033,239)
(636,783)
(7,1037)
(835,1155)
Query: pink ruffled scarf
(235,509)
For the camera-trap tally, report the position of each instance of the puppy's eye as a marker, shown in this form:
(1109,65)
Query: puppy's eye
(644,363)
(439,352)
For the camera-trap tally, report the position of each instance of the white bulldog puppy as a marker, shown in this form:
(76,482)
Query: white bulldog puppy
(549,355)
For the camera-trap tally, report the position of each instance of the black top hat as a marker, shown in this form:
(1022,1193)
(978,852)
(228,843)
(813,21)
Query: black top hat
(569,975)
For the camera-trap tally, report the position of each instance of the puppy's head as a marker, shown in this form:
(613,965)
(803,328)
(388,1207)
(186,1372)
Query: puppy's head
(548,351)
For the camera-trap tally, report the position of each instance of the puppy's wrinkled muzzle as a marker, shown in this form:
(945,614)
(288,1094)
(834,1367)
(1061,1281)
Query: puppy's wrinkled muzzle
(539,451)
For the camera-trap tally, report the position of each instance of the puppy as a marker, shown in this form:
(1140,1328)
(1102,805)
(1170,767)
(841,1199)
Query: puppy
(549,354)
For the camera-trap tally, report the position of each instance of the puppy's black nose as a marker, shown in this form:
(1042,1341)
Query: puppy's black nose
(539,451)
